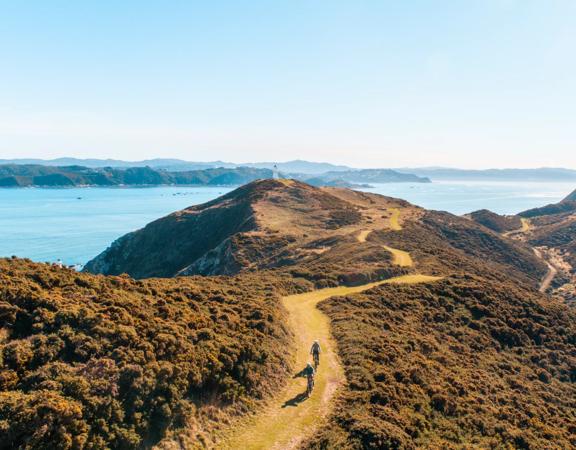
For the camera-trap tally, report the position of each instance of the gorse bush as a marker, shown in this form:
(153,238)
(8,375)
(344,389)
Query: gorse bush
(460,363)
(95,362)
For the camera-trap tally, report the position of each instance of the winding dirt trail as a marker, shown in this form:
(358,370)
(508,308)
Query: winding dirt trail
(394,226)
(400,257)
(395,219)
(545,284)
(526,226)
(290,417)
(363,235)
(552,271)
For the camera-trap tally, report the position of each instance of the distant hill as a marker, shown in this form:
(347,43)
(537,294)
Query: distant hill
(553,230)
(570,197)
(543,174)
(56,176)
(496,222)
(283,223)
(317,168)
(375,176)
(23,175)
(566,205)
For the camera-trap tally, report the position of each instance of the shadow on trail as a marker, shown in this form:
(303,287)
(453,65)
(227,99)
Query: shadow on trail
(300,374)
(295,401)
(299,398)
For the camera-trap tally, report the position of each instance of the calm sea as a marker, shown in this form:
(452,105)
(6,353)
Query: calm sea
(75,225)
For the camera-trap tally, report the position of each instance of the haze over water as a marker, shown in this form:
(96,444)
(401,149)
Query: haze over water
(76,224)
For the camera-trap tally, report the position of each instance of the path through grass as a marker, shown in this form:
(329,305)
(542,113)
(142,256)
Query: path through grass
(290,417)
(395,219)
(526,226)
(363,235)
(400,257)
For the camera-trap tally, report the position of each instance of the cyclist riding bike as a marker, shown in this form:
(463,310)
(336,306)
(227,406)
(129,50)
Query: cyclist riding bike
(309,373)
(315,352)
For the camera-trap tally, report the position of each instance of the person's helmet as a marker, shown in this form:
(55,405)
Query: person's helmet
(309,364)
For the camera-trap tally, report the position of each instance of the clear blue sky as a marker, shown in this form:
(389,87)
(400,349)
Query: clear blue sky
(469,83)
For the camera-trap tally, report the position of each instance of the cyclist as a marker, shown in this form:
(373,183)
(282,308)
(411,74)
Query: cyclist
(309,373)
(315,352)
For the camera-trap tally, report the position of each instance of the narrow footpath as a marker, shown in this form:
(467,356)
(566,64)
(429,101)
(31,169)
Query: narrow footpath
(552,270)
(291,417)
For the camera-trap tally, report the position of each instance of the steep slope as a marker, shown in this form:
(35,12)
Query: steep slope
(309,232)
(166,246)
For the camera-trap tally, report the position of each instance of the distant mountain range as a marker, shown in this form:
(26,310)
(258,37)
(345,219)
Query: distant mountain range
(53,176)
(318,168)
(24,175)
(302,169)
(116,163)
(541,174)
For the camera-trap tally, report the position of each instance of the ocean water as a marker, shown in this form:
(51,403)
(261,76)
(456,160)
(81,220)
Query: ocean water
(459,197)
(76,224)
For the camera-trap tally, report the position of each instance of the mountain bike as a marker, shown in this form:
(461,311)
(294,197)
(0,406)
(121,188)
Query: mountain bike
(316,360)
(309,385)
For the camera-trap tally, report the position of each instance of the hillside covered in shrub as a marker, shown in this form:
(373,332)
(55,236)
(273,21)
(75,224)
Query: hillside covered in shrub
(496,222)
(108,362)
(457,364)
(310,231)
